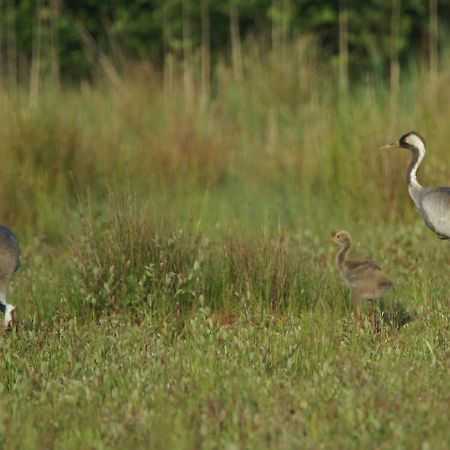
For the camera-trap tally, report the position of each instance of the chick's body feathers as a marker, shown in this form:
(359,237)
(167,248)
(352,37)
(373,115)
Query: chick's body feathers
(365,278)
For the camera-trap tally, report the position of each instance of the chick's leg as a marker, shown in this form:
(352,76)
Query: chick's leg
(356,299)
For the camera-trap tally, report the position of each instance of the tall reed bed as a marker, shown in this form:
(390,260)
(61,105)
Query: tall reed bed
(134,259)
(281,129)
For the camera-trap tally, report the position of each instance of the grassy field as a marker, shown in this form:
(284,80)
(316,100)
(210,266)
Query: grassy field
(178,287)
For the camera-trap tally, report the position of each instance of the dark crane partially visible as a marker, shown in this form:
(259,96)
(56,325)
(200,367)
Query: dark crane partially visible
(9,263)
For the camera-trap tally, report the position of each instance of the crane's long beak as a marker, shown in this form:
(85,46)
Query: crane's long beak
(395,144)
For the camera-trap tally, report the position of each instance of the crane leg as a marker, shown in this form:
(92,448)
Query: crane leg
(357,306)
(8,309)
(10,313)
(372,318)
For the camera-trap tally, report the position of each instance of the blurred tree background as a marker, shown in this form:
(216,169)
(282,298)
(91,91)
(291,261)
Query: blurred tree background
(70,40)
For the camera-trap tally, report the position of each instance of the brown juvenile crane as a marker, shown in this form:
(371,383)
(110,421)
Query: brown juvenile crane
(365,279)
(9,263)
(433,202)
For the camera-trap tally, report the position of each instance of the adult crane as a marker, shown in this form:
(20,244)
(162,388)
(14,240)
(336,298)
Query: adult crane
(432,202)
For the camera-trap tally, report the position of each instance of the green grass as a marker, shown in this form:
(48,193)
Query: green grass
(266,381)
(177,287)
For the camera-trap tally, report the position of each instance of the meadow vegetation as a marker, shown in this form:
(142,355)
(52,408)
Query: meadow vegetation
(178,287)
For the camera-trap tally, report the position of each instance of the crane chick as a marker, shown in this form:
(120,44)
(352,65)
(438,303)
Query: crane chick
(433,202)
(9,263)
(365,279)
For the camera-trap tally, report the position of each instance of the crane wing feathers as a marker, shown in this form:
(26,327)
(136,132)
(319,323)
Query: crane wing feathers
(358,269)
(9,238)
(366,276)
(436,210)
(361,265)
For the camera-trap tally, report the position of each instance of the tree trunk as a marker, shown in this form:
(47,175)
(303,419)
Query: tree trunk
(35,75)
(1,44)
(433,36)
(286,23)
(54,41)
(275,27)
(343,46)
(166,53)
(187,56)
(206,52)
(11,49)
(236,52)
(394,47)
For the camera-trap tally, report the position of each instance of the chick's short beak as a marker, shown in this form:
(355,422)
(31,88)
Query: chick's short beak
(395,144)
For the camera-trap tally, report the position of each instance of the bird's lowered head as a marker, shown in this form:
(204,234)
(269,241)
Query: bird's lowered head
(411,141)
(341,238)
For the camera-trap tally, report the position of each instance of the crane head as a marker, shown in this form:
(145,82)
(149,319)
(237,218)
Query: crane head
(341,238)
(410,141)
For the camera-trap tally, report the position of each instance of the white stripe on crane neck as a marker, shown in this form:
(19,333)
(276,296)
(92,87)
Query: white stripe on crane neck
(414,140)
(414,187)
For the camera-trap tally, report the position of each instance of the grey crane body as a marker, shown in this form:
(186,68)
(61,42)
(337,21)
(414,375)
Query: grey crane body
(433,202)
(9,263)
(435,208)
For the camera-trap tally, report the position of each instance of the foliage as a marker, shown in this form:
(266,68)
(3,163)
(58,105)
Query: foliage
(142,30)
